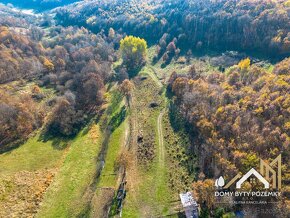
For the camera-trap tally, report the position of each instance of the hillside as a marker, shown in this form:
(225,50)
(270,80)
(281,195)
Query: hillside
(114,108)
(248,25)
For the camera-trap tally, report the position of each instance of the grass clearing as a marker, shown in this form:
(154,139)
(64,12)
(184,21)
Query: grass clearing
(180,67)
(25,174)
(65,197)
(31,156)
(113,123)
(109,175)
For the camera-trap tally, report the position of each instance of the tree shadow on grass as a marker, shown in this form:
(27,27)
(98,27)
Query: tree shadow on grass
(117,119)
(134,72)
(95,120)
(60,141)
(9,148)
(57,142)
(116,99)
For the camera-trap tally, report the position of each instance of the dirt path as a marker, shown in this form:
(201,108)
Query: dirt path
(152,72)
(161,149)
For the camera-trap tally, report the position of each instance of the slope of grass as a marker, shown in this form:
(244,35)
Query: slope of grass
(181,162)
(66,196)
(109,175)
(116,115)
(25,174)
(150,195)
(31,156)
(113,124)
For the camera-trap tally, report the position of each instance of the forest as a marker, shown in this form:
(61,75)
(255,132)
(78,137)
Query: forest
(247,25)
(112,108)
(77,67)
(235,117)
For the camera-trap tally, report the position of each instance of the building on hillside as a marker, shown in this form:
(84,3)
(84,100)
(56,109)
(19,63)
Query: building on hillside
(189,204)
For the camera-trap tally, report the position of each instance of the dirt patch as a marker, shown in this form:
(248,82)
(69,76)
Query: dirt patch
(101,202)
(94,133)
(22,193)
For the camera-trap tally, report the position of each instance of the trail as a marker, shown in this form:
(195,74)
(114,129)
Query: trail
(152,72)
(161,149)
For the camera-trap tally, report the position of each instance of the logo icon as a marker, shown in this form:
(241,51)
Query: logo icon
(255,173)
(220,182)
(267,175)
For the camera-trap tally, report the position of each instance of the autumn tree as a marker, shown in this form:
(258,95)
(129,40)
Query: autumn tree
(126,89)
(170,52)
(89,91)
(19,116)
(47,64)
(171,79)
(166,58)
(171,47)
(64,120)
(122,74)
(282,68)
(204,191)
(133,50)
(244,64)
(239,117)
(193,72)
(194,24)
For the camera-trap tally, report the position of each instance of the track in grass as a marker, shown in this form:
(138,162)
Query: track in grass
(161,148)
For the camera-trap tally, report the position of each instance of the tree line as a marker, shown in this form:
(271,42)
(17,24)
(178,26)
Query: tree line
(244,25)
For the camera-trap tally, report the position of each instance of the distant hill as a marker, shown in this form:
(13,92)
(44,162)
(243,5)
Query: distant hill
(38,5)
(244,25)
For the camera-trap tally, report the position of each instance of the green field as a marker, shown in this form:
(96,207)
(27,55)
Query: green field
(72,161)
(31,156)
(66,197)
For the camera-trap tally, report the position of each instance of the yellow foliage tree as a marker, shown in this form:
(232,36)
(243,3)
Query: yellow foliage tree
(244,64)
(133,50)
(47,64)
(204,191)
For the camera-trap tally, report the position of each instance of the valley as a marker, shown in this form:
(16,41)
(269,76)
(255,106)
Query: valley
(114,108)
